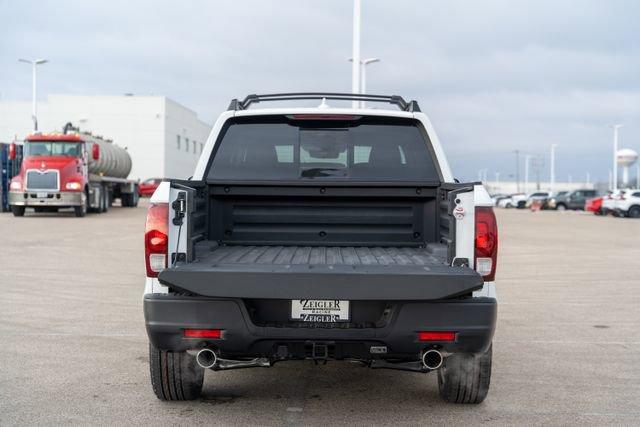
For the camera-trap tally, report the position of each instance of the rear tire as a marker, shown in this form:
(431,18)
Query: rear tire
(634,212)
(465,378)
(130,200)
(125,200)
(17,210)
(135,196)
(175,375)
(104,199)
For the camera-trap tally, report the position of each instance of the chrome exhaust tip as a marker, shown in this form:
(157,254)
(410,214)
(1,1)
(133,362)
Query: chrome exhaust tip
(432,359)
(206,358)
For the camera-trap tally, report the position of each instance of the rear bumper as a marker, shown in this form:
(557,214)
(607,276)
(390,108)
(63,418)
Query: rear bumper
(61,199)
(166,316)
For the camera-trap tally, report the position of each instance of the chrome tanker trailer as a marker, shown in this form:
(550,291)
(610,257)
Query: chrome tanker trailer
(72,169)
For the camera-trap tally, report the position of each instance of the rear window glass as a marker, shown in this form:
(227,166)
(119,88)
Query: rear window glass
(364,149)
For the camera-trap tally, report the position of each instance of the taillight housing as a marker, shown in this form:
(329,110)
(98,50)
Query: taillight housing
(156,238)
(486,243)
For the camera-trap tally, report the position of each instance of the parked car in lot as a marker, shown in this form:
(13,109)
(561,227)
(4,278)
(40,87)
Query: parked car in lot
(539,198)
(629,204)
(149,186)
(610,201)
(517,200)
(594,205)
(572,200)
(321,234)
(497,197)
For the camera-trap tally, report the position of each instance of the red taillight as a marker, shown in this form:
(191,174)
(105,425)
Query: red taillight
(203,333)
(486,244)
(156,238)
(436,336)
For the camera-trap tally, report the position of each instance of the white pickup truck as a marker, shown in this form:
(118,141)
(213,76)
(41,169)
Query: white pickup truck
(322,234)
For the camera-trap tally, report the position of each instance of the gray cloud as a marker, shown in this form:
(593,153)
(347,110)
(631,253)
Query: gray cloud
(494,76)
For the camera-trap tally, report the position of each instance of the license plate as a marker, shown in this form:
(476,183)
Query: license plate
(41,195)
(320,310)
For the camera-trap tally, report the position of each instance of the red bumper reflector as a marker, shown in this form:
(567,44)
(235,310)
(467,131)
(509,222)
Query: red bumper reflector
(436,336)
(203,333)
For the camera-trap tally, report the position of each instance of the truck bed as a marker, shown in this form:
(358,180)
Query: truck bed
(337,255)
(347,272)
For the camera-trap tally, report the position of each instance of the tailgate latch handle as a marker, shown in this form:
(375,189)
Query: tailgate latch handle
(179,207)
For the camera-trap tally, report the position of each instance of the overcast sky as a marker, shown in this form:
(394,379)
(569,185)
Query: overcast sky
(494,76)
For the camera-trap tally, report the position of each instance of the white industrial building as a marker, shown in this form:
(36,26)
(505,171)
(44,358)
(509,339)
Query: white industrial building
(163,137)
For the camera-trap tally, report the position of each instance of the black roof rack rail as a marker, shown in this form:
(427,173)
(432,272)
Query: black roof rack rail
(399,101)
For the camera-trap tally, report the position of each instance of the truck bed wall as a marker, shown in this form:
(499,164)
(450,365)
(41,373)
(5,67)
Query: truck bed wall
(323,216)
(237,214)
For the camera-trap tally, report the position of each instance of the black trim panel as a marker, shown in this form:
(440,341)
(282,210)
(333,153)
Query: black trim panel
(473,320)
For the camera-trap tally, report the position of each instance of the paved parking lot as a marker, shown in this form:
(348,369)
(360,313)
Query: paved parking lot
(74,349)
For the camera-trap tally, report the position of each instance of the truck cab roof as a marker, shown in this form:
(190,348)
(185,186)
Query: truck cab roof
(324,110)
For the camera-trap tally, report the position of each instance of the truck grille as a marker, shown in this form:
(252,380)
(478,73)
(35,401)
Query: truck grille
(42,180)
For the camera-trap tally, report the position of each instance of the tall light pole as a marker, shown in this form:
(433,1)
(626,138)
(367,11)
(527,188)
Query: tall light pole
(363,78)
(355,52)
(615,128)
(517,171)
(34,106)
(527,157)
(552,173)
(363,75)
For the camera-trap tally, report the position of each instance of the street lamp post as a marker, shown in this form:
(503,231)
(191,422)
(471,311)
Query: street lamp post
(615,128)
(34,106)
(363,75)
(355,52)
(552,173)
(527,158)
(363,78)
(517,170)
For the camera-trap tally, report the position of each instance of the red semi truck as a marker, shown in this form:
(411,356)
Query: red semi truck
(72,169)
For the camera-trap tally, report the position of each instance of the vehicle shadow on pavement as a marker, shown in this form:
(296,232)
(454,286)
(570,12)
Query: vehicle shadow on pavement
(330,392)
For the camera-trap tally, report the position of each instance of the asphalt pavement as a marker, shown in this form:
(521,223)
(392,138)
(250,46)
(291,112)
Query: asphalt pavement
(74,348)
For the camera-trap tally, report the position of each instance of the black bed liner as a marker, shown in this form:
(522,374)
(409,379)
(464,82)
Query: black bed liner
(293,272)
(320,255)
